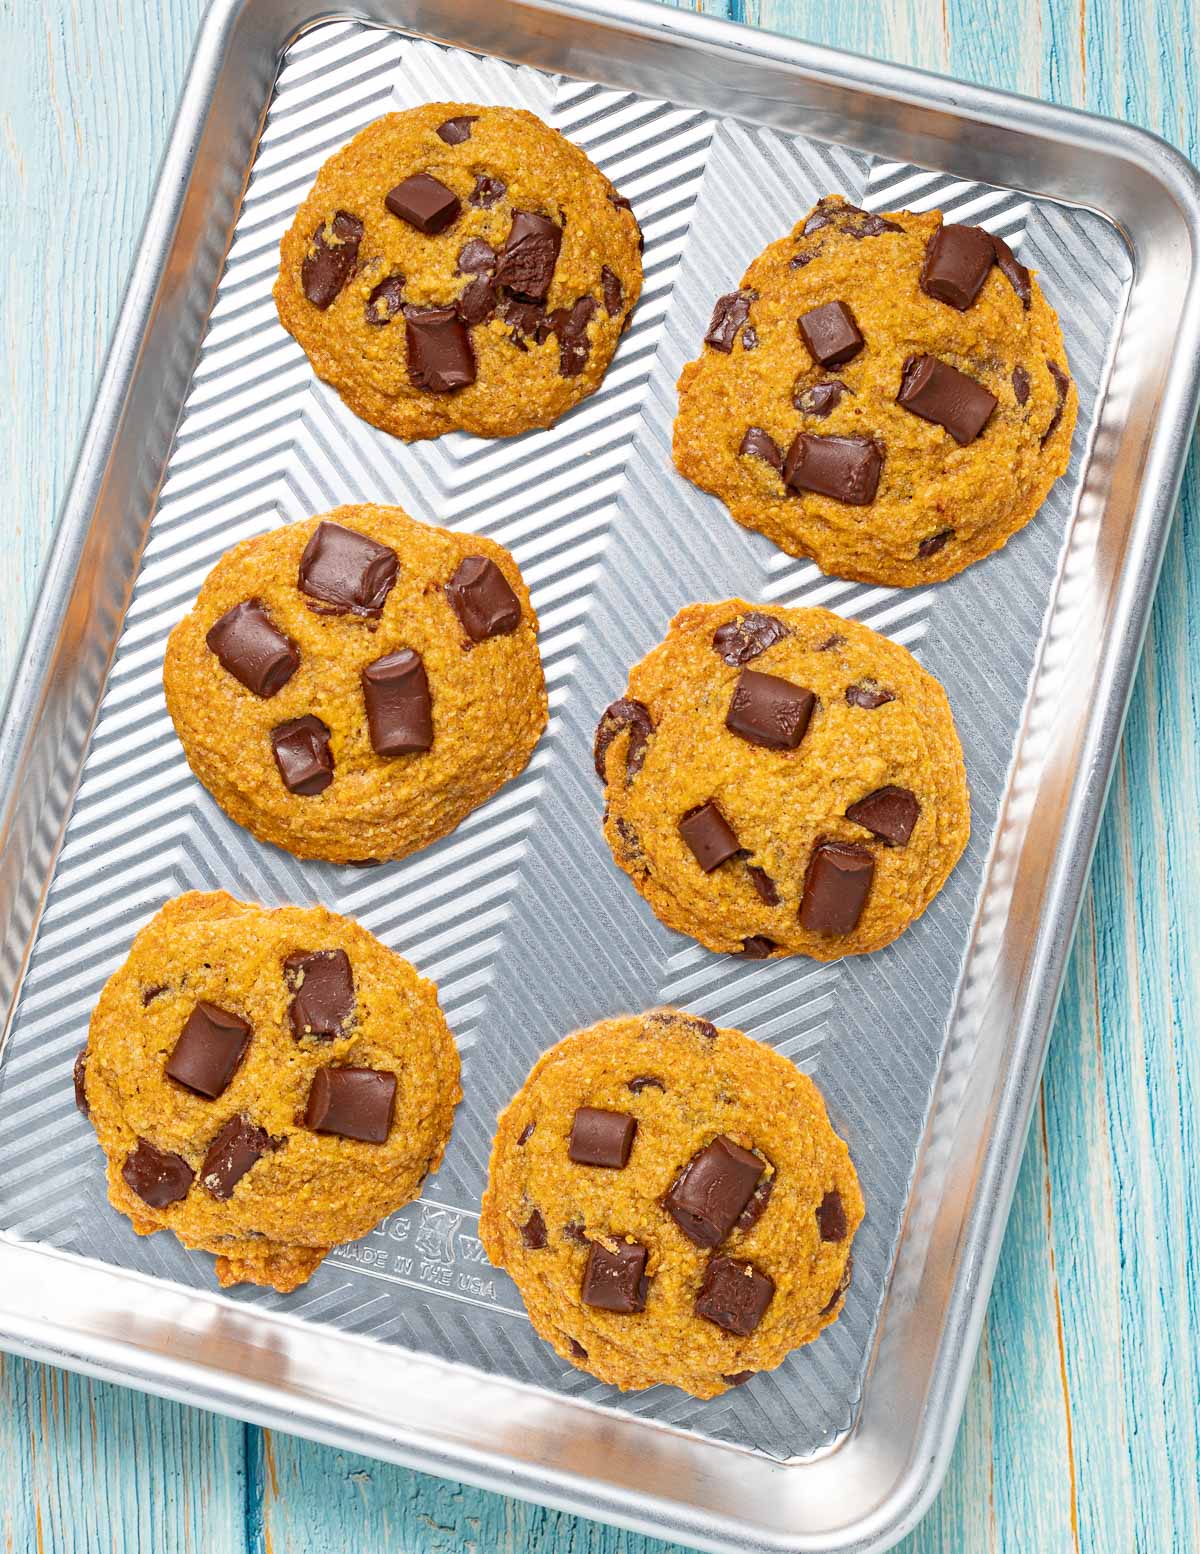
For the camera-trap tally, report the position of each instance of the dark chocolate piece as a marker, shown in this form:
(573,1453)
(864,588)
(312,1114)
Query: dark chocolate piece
(709,835)
(734,1295)
(748,636)
(1062,384)
(385,300)
(425,203)
(730,313)
(645,1082)
(769,711)
(577,1349)
(702,1028)
(399,709)
(761,445)
(526,1133)
(79,1078)
(868,696)
(303,756)
(835,641)
(239,1145)
(322,986)
(836,887)
(533,1231)
(601,1138)
(624,714)
(354,1103)
(210,1047)
(527,260)
(440,358)
(763,884)
(149,994)
(889,813)
(831,1217)
(831,334)
(757,1207)
(483,600)
(158,1177)
(487,191)
(614,292)
(851,219)
(712,1190)
(821,399)
(756,947)
(455,131)
(570,325)
(940,393)
(1020,383)
(253,649)
(1013,271)
(573,1231)
(615,1281)
(739,1378)
(840,1287)
(619,202)
(476,257)
(844,468)
(346,572)
(527,320)
(332,258)
(957,261)
(933,543)
(477,302)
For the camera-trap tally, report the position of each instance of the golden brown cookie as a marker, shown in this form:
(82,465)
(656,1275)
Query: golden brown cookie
(351,686)
(459,266)
(672,1203)
(885,394)
(266,1084)
(783,781)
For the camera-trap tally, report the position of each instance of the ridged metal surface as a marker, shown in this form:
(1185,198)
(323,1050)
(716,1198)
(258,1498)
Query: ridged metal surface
(520,915)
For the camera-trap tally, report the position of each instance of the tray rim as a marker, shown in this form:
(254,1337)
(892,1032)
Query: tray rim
(31,1318)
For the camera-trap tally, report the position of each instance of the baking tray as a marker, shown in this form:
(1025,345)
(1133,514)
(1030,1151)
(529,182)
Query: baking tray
(210,427)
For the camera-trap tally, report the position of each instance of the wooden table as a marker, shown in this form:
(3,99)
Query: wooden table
(1081,1425)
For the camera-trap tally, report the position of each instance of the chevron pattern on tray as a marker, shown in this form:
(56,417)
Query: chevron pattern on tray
(520,915)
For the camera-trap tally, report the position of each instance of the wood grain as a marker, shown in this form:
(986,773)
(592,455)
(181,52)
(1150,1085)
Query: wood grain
(1080,1431)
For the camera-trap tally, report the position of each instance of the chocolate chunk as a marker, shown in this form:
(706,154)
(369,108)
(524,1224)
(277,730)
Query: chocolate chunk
(346,572)
(385,300)
(239,1145)
(614,292)
(302,755)
(1020,383)
(573,1231)
(478,302)
(889,813)
(614,1281)
(149,994)
(570,325)
(844,468)
(399,711)
(868,696)
(734,1295)
(527,320)
(527,260)
(851,219)
(940,393)
(483,600)
(1013,271)
(761,445)
(624,714)
(455,131)
(800,260)
(745,638)
(1062,384)
(705,1029)
(601,1138)
(332,258)
(79,1076)
(709,835)
(476,258)
(739,1378)
(253,649)
(156,1176)
(712,1190)
(619,202)
(322,987)
(756,1208)
(836,887)
(831,334)
(486,192)
(210,1047)
(577,1349)
(729,315)
(440,358)
(533,1231)
(354,1103)
(831,1217)
(763,884)
(931,545)
(425,203)
(821,399)
(769,711)
(756,947)
(840,1287)
(645,1082)
(835,641)
(957,261)
(526,1134)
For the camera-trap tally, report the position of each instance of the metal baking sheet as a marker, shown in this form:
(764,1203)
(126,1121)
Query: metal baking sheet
(211,428)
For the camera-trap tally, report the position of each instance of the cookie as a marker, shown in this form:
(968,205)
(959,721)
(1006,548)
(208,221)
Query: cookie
(885,394)
(266,1084)
(351,686)
(459,266)
(782,781)
(672,1203)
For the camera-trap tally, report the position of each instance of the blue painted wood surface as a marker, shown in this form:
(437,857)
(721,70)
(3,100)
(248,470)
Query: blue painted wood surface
(1081,1428)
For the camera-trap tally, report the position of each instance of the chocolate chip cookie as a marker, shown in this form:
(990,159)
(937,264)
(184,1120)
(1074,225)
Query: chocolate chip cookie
(886,394)
(266,1084)
(459,266)
(782,781)
(351,686)
(672,1203)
